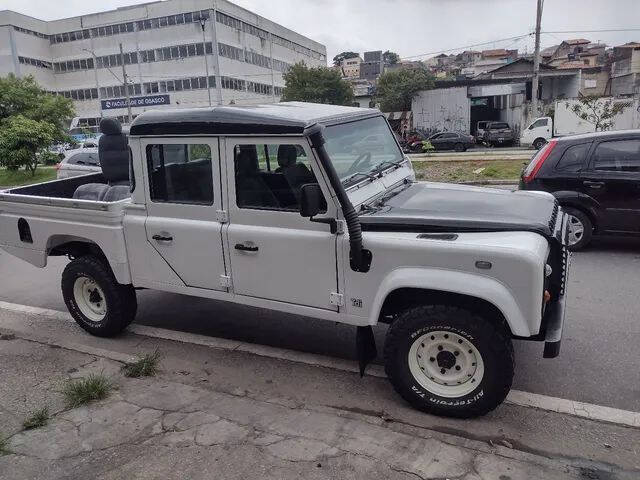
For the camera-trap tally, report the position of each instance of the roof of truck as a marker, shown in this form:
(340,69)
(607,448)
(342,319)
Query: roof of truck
(271,119)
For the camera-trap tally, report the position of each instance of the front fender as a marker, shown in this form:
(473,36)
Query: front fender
(479,286)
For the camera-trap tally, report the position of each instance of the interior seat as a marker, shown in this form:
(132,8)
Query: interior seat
(113,152)
(296,173)
(251,189)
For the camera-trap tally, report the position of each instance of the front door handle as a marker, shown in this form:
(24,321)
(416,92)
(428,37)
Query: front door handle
(245,248)
(589,183)
(162,238)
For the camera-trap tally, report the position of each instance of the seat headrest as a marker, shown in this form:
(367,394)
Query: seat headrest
(246,163)
(110,126)
(287,155)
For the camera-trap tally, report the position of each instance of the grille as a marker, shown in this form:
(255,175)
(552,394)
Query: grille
(565,265)
(554,216)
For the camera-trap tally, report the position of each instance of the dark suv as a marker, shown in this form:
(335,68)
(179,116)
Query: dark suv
(596,178)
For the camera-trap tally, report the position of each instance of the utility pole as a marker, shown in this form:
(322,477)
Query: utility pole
(126,85)
(95,74)
(203,23)
(536,62)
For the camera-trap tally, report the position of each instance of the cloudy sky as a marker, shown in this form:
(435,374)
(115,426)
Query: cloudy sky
(411,27)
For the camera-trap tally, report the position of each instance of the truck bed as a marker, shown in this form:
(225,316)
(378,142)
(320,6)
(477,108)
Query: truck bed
(36,219)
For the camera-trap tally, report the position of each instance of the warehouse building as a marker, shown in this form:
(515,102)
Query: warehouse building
(175,53)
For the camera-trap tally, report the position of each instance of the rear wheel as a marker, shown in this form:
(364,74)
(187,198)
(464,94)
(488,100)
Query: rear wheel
(580,229)
(538,143)
(449,361)
(97,302)
(459,147)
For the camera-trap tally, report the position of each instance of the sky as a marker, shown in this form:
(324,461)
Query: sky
(411,27)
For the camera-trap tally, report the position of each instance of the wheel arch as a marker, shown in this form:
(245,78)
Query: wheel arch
(580,202)
(76,246)
(406,288)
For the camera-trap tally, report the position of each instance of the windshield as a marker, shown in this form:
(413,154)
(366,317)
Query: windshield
(363,146)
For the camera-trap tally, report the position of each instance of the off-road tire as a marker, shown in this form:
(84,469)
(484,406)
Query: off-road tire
(121,304)
(587,225)
(491,339)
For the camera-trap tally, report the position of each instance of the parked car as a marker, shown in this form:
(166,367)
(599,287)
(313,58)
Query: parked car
(273,210)
(498,134)
(80,161)
(596,179)
(452,141)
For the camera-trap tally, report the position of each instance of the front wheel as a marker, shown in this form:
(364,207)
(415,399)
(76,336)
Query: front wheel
(97,302)
(459,147)
(449,361)
(538,143)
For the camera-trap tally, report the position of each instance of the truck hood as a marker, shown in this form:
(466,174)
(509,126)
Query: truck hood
(439,207)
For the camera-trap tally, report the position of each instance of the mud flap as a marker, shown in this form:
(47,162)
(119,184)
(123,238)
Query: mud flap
(365,347)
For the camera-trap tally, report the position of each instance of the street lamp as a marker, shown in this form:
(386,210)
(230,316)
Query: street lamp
(203,22)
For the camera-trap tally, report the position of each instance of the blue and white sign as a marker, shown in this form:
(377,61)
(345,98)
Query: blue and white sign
(147,101)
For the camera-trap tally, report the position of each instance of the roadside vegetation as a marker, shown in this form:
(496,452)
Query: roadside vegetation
(15,178)
(84,390)
(37,419)
(435,171)
(145,366)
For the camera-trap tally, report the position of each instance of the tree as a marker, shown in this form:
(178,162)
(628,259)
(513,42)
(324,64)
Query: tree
(316,84)
(30,120)
(337,60)
(396,89)
(22,138)
(597,110)
(390,58)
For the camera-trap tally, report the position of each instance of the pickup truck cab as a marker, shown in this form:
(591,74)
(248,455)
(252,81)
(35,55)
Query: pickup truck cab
(272,206)
(497,134)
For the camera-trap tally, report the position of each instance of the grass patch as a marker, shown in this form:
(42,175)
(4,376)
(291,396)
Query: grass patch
(37,419)
(145,366)
(435,171)
(4,445)
(84,390)
(15,178)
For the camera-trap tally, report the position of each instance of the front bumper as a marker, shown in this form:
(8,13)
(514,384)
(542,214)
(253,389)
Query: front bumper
(555,322)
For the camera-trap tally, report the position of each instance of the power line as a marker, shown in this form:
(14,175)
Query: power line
(517,37)
(595,31)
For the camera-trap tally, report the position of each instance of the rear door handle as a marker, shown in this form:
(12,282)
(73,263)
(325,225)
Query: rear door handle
(162,238)
(589,183)
(245,248)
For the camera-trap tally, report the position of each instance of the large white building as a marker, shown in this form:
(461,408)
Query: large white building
(177,53)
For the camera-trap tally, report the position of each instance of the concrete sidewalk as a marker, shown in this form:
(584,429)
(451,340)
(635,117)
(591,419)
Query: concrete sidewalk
(220,414)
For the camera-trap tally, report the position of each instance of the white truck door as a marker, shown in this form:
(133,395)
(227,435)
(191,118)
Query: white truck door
(183,197)
(275,253)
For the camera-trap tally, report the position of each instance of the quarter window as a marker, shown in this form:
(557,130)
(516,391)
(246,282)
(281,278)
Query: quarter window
(573,158)
(618,156)
(270,176)
(180,173)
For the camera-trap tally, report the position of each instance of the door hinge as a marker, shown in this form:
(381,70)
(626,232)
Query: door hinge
(225,281)
(336,299)
(340,226)
(221,216)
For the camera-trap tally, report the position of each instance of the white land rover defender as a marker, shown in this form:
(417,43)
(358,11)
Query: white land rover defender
(284,207)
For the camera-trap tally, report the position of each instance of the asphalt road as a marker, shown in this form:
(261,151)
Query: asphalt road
(599,361)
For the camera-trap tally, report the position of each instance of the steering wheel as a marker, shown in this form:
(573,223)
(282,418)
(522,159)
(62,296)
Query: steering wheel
(363,159)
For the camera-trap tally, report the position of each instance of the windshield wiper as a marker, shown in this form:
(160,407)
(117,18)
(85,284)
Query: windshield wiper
(357,174)
(381,166)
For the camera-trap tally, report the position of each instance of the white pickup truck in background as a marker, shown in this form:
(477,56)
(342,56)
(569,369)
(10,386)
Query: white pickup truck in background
(566,122)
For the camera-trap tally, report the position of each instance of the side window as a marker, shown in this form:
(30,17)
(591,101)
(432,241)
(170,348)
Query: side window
(270,176)
(573,158)
(541,122)
(617,156)
(180,173)
(79,159)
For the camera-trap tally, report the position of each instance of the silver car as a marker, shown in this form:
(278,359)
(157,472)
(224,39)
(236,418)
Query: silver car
(80,161)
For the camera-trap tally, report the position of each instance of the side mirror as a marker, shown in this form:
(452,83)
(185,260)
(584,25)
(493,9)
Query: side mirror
(312,201)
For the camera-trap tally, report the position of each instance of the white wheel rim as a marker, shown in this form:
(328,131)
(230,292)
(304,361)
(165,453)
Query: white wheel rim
(576,230)
(446,364)
(90,299)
